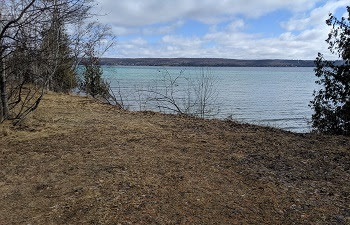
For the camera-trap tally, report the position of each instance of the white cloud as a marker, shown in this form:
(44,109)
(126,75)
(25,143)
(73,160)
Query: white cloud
(147,12)
(234,44)
(146,30)
(236,25)
(165,29)
(313,19)
(304,33)
(119,30)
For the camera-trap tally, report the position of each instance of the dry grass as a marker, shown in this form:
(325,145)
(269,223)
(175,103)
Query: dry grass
(76,161)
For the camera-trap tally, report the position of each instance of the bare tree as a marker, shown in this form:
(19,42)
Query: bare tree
(89,39)
(6,23)
(24,27)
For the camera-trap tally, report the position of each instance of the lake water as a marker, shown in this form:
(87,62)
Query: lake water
(273,96)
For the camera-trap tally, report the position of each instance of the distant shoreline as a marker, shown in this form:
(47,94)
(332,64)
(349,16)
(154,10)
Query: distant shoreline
(205,62)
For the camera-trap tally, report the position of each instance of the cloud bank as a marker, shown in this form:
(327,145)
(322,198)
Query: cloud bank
(160,28)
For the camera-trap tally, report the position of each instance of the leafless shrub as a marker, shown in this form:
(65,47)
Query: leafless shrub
(193,95)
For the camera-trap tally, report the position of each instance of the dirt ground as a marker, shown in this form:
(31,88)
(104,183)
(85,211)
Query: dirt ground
(77,161)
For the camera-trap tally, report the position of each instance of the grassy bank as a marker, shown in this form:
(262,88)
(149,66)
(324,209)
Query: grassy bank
(77,161)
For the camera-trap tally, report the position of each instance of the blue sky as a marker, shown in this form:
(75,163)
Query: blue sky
(240,29)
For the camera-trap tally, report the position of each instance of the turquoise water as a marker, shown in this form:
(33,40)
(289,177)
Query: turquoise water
(273,96)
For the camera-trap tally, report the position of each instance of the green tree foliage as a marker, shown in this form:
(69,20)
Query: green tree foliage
(58,55)
(96,40)
(331,104)
(93,83)
(64,78)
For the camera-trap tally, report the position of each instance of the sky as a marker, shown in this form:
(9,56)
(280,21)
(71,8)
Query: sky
(236,29)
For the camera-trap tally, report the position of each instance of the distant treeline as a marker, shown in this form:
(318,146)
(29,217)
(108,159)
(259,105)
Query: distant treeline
(204,62)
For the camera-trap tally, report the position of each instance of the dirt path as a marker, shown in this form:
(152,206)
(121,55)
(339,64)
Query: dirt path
(76,161)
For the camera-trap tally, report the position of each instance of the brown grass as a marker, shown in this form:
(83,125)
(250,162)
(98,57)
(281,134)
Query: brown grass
(77,161)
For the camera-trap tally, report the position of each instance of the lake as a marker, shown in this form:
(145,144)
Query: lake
(273,96)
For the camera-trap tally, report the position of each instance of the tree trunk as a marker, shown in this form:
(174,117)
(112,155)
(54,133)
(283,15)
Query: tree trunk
(4,103)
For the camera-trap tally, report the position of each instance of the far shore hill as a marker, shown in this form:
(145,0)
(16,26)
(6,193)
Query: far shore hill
(206,62)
